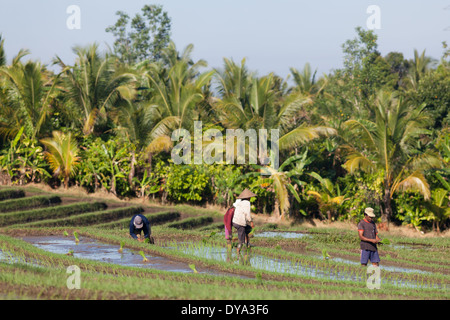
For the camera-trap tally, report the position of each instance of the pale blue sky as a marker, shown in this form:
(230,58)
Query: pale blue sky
(273,35)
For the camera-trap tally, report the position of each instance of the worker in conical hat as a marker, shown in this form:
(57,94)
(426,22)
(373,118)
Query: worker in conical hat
(242,219)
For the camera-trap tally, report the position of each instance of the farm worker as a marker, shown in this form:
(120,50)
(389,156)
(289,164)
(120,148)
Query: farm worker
(242,219)
(368,234)
(139,223)
(227,220)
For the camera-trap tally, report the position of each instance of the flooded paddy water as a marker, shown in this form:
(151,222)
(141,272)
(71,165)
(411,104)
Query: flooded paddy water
(96,250)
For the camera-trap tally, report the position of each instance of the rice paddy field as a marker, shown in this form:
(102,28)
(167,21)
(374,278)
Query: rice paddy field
(56,246)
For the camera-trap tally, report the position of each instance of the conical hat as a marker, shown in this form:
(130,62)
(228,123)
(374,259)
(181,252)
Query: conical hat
(246,194)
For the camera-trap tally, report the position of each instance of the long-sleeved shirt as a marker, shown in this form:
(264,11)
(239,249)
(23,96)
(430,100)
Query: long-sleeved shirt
(242,214)
(145,227)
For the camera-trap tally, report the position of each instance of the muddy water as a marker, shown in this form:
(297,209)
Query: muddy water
(95,250)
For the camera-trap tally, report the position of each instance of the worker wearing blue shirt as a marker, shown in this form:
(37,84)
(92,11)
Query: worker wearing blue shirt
(138,224)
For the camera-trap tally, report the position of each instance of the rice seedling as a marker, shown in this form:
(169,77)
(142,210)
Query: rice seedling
(325,254)
(70,253)
(192,266)
(75,234)
(144,258)
(121,246)
(65,233)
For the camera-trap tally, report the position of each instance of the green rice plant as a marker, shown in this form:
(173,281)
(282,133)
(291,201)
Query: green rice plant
(70,253)
(192,266)
(385,241)
(31,216)
(154,219)
(143,256)
(6,194)
(325,254)
(121,247)
(89,218)
(65,233)
(28,203)
(191,223)
(75,234)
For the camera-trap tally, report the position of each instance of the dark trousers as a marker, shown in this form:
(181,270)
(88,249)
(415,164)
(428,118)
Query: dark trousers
(242,232)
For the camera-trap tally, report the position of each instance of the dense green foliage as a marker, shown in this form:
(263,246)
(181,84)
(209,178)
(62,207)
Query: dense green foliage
(373,133)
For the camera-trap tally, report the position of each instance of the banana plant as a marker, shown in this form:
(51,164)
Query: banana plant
(329,198)
(438,207)
(285,182)
(8,159)
(147,185)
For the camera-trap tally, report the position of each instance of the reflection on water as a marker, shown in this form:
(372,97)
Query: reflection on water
(286,235)
(104,252)
(264,263)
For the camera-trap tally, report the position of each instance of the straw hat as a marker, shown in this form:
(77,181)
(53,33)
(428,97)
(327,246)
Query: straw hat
(246,194)
(369,212)
(138,223)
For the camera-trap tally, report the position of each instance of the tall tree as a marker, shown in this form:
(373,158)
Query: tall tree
(28,92)
(389,145)
(93,85)
(144,37)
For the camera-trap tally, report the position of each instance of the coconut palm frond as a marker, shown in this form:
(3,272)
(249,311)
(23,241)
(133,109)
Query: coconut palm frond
(303,134)
(414,182)
(159,144)
(357,161)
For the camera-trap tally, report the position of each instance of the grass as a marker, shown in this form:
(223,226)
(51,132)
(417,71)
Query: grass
(31,272)
(6,194)
(55,212)
(28,203)
(89,218)
(191,223)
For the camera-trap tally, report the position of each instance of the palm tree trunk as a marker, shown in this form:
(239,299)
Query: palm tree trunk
(149,169)
(276,209)
(66,182)
(386,214)
(132,169)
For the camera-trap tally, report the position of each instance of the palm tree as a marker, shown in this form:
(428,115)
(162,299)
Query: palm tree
(178,89)
(306,82)
(62,155)
(248,102)
(28,92)
(420,65)
(388,145)
(93,85)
